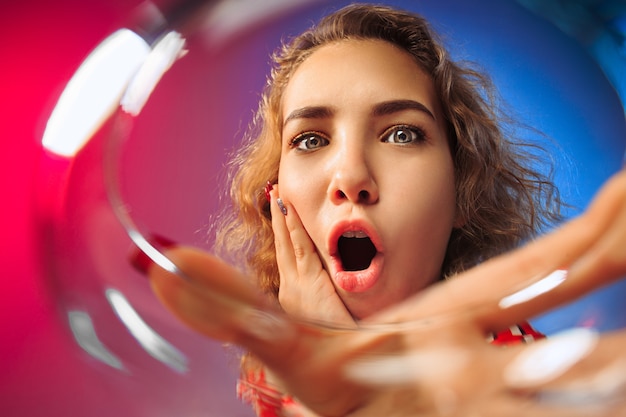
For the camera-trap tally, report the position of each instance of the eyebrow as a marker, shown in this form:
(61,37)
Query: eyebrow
(380,109)
(313,112)
(395,106)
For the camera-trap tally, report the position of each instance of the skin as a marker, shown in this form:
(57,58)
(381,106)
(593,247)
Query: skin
(217,301)
(351,161)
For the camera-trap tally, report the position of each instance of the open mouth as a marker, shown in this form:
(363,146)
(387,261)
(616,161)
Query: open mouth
(356,251)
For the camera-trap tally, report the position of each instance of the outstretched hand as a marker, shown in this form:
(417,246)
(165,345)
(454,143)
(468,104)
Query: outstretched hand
(433,358)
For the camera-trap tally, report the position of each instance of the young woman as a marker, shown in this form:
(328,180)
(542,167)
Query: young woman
(386,169)
(369,129)
(390,165)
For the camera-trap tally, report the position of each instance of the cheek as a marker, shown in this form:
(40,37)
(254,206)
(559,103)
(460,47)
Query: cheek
(300,187)
(426,201)
(289,181)
(305,191)
(429,183)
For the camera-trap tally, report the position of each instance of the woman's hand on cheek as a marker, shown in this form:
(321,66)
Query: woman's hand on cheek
(306,290)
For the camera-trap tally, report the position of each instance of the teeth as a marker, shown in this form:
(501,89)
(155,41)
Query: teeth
(355,234)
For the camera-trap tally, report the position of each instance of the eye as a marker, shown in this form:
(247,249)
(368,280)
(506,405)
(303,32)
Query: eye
(309,141)
(404,134)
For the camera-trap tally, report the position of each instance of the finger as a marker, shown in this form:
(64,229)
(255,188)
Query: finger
(606,260)
(282,241)
(291,287)
(479,292)
(303,253)
(577,370)
(216,300)
(308,263)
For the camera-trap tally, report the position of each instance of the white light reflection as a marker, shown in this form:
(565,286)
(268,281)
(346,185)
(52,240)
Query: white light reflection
(94,92)
(86,337)
(601,390)
(229,17)
(426,365)
(151,341)
(545,361)
(608,384)
(163,55)
(540,287)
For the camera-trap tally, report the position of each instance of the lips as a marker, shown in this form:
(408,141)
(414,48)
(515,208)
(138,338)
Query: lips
(356,256)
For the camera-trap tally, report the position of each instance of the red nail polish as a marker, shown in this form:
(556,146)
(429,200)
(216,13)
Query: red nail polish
(142,262)
(268,187)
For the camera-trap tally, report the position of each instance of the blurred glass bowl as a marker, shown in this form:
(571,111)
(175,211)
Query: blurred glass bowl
(155,168)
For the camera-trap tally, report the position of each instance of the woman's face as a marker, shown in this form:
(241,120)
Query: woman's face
(365,163)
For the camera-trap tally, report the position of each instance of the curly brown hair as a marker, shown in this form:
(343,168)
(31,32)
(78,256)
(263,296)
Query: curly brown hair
(501,197)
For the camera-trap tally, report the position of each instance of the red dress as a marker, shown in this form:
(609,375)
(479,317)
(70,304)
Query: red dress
(267,401)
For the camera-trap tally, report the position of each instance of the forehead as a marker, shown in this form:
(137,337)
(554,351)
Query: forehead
(358,70)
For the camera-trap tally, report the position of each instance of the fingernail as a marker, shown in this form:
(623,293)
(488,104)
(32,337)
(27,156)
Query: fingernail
(141,261)
(268,187)
(547,360)
(281,205)
(536,289)
(408,368)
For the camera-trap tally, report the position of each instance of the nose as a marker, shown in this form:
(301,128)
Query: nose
(352,179)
